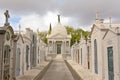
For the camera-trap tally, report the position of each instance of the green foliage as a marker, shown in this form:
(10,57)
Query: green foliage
(50,29)
(76,34)
(43,36)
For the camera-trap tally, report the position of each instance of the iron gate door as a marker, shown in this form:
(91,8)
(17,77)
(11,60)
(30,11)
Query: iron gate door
(58,48)
(110,64)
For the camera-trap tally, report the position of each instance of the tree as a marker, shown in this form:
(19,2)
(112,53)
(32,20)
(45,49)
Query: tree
(76,34)
(43,36)
(50,29)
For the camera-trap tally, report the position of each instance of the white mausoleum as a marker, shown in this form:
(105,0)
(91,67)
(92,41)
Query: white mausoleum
(59,40)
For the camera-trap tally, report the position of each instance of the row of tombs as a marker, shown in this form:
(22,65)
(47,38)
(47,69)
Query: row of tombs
(100,52)
(20,51)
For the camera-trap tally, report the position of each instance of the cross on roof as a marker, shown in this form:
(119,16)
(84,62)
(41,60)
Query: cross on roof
(6,17)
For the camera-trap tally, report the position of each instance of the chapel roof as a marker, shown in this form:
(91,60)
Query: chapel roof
(107,25)
(100,24)
(59,29)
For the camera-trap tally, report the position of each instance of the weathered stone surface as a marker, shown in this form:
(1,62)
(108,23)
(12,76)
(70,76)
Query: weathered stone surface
(33,73)
(58,70)
(80,72)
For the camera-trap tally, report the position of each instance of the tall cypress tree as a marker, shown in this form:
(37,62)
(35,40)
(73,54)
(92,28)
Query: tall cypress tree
(50,29)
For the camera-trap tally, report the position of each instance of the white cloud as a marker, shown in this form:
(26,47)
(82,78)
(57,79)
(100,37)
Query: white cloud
(32,21)
(51,17)
(35,21)
(2,18)
(82,10)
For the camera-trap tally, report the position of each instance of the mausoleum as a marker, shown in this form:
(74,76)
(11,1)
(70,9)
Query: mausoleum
(59,40)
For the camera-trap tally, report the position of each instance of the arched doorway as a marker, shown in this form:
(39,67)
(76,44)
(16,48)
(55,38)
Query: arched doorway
(6,64)
(18,62)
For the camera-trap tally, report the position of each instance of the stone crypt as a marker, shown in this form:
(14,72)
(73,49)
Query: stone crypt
(59,40)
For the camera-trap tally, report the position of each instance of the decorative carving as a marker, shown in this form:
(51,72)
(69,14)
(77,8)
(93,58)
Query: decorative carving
(7,36)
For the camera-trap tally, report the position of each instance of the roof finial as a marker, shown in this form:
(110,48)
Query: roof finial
(97,14)
(58,18)
(6,17)
(110,20)
(19,29)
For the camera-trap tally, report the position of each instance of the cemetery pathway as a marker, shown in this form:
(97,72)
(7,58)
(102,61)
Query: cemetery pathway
(58,70)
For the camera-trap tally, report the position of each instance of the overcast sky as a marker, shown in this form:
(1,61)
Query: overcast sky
(77,13)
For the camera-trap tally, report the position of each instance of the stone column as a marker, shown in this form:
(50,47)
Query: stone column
(69,46)
(54,47)
(62,47)
(65,47)
(51,47)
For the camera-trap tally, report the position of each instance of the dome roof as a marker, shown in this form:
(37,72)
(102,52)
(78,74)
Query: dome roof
(59,29)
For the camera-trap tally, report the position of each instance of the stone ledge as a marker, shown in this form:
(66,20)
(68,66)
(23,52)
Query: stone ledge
(36,72)
(79,73)
(41,74)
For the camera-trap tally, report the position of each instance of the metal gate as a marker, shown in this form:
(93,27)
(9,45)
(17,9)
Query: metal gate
(58,48)
(110,63)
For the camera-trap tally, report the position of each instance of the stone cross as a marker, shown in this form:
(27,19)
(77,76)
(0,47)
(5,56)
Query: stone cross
(6,16)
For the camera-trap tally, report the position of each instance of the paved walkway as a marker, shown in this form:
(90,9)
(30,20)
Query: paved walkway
(58,70)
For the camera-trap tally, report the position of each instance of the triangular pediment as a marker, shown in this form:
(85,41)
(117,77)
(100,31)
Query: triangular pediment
(58,35)
(94,28)
(108,34)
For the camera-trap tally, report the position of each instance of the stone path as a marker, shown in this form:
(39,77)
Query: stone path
(58,70)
